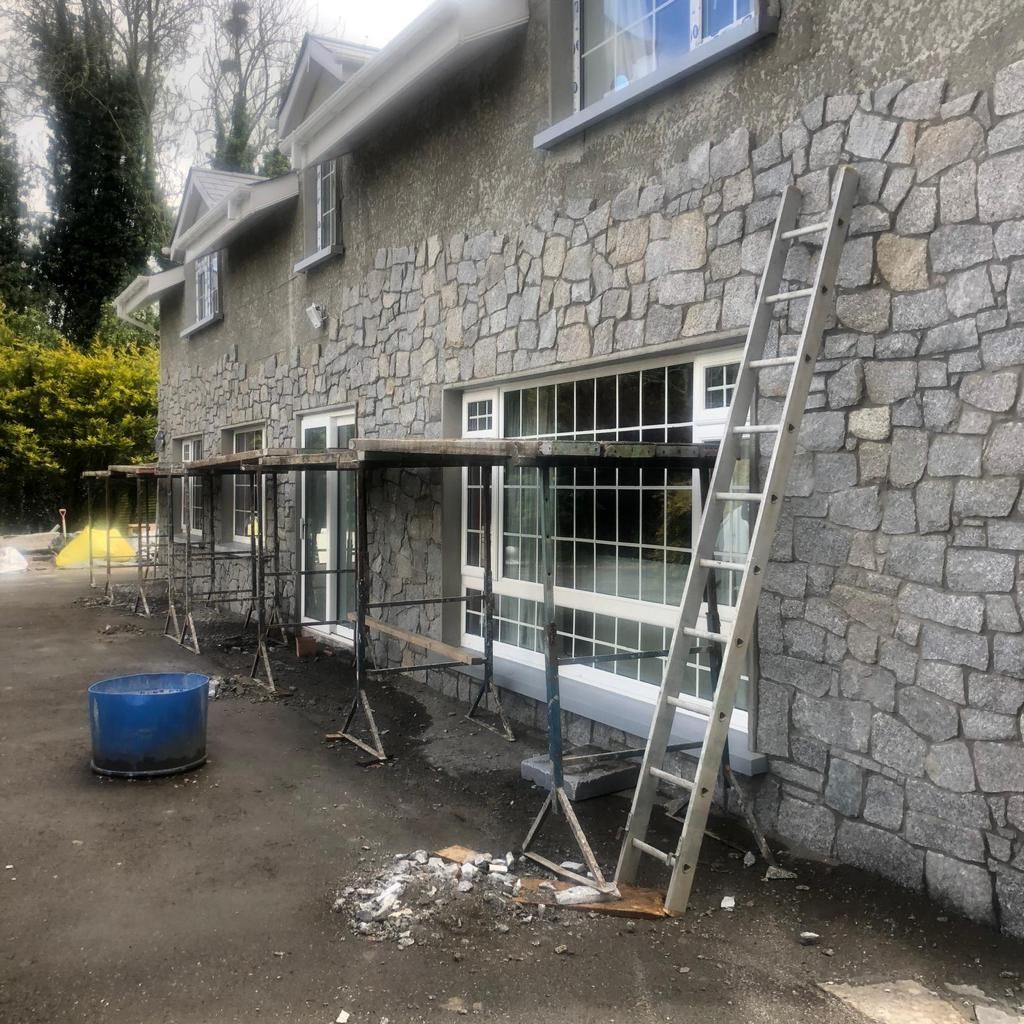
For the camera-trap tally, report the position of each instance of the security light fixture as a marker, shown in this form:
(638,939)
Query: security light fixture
(317,314)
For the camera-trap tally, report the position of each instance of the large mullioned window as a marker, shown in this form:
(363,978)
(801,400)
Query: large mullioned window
(624,537)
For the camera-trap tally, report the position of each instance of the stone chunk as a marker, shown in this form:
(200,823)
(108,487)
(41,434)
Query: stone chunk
(1000,767)
(842,723)
(1008,94)
(889,381)
(918,213)
(1010,897)
(869,135)
(846,385)
(958,193)
(883,803)
(908,455)
(872,424)
(866,311)
(940,643)
(1000,196)
(947,144)
(844,790)
(966,612)
(958,246)
(949,765)
(977,571)
(953,455)
(823,431)
(920,101)
(959,808)
(986,497)
(1003,348)
(868,682)
(936,834)
(811,826)
(1004,453)
(807,676)
(895,745)
(903,262)
(919,310)
(964,888)
(932,499)
(992,692)
(928,715)
(962,334)
(731,155)
(863,846)
(917,558)
(945,680)
(818,543)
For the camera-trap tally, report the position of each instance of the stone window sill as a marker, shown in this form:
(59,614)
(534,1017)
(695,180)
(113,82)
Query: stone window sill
(717,48)
(318,257)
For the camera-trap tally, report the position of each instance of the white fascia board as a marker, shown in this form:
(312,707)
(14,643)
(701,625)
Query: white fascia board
(442,40)
(147,289)
(233,215)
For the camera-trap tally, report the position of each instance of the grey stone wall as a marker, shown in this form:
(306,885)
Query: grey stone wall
(891,652)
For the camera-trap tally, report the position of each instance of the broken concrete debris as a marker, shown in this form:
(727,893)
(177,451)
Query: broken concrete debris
(728,902)
(418,889)
(809,938)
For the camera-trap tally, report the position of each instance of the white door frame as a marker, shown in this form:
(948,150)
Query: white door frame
(331,420)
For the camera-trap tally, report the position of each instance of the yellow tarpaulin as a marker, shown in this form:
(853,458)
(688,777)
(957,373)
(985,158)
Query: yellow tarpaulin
(76,554)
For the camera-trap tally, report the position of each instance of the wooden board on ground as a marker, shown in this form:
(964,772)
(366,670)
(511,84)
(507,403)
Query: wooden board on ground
(635,902)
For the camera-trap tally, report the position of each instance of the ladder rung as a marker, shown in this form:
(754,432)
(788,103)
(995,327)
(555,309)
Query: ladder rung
(739,496)
(653,851)
(675,780)
(757,428)
(703,634)
(686,703)
(800,293)
(809,230)
(714,563)
(763,364)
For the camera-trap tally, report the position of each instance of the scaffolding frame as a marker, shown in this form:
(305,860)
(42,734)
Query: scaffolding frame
(150,480)
(543,455)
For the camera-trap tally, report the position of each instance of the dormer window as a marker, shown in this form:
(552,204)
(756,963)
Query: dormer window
(203,291)
(321,213)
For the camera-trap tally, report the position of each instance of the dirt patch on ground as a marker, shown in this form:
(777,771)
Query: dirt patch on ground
(209,897)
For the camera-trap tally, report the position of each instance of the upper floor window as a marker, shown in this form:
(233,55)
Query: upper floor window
(321,214)
(247,439)
(616,52)
(326,205)
(207,286)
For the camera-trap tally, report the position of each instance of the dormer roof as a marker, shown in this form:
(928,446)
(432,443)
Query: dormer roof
(321,68)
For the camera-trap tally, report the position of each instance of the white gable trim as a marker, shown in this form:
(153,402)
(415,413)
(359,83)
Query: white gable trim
(318,57)
(446,37)
(236,213)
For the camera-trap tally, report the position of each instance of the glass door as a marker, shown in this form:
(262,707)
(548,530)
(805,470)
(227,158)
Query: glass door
(327,529)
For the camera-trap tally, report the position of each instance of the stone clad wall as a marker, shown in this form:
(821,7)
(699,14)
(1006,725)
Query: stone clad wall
(891,652)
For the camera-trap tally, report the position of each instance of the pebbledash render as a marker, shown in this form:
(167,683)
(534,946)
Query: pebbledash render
(490,257)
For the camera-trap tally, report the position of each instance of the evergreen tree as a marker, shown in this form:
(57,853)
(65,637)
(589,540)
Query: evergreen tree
(105,220)
(14,290)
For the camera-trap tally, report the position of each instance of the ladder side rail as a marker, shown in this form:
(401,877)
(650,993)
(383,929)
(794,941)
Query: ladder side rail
(711,521)
(764,534)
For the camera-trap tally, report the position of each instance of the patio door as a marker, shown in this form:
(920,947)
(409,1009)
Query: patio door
(327,529)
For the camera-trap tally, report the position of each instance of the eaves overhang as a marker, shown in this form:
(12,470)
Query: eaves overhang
(447,37)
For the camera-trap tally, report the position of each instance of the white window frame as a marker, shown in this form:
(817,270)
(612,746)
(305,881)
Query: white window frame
(707,426)
(207,287)
(326,172)
(708,50)
(192,489)
(316,237)
(241,480)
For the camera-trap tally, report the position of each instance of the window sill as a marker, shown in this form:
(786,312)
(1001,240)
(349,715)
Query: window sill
(318,257)
(715,49)
(201,325)
(627,711)
(220,548)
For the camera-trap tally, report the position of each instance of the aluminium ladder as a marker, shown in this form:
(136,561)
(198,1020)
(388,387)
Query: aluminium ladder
(734,641)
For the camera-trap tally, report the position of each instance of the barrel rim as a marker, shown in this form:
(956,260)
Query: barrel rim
(195,681)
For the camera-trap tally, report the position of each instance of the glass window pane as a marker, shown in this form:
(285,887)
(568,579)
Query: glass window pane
(653,396)
(513,404)
(672,30)
(606,403)
(629,399)
(585,404)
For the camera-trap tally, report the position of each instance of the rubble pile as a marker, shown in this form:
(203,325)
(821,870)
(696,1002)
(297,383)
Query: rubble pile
(420,897)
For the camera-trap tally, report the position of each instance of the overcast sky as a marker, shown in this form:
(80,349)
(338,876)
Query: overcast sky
(372,22)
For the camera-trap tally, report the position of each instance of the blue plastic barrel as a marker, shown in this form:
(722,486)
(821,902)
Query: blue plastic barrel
(147,725)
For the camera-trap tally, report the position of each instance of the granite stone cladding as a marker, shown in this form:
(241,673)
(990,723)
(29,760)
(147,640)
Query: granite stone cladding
(891,645)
